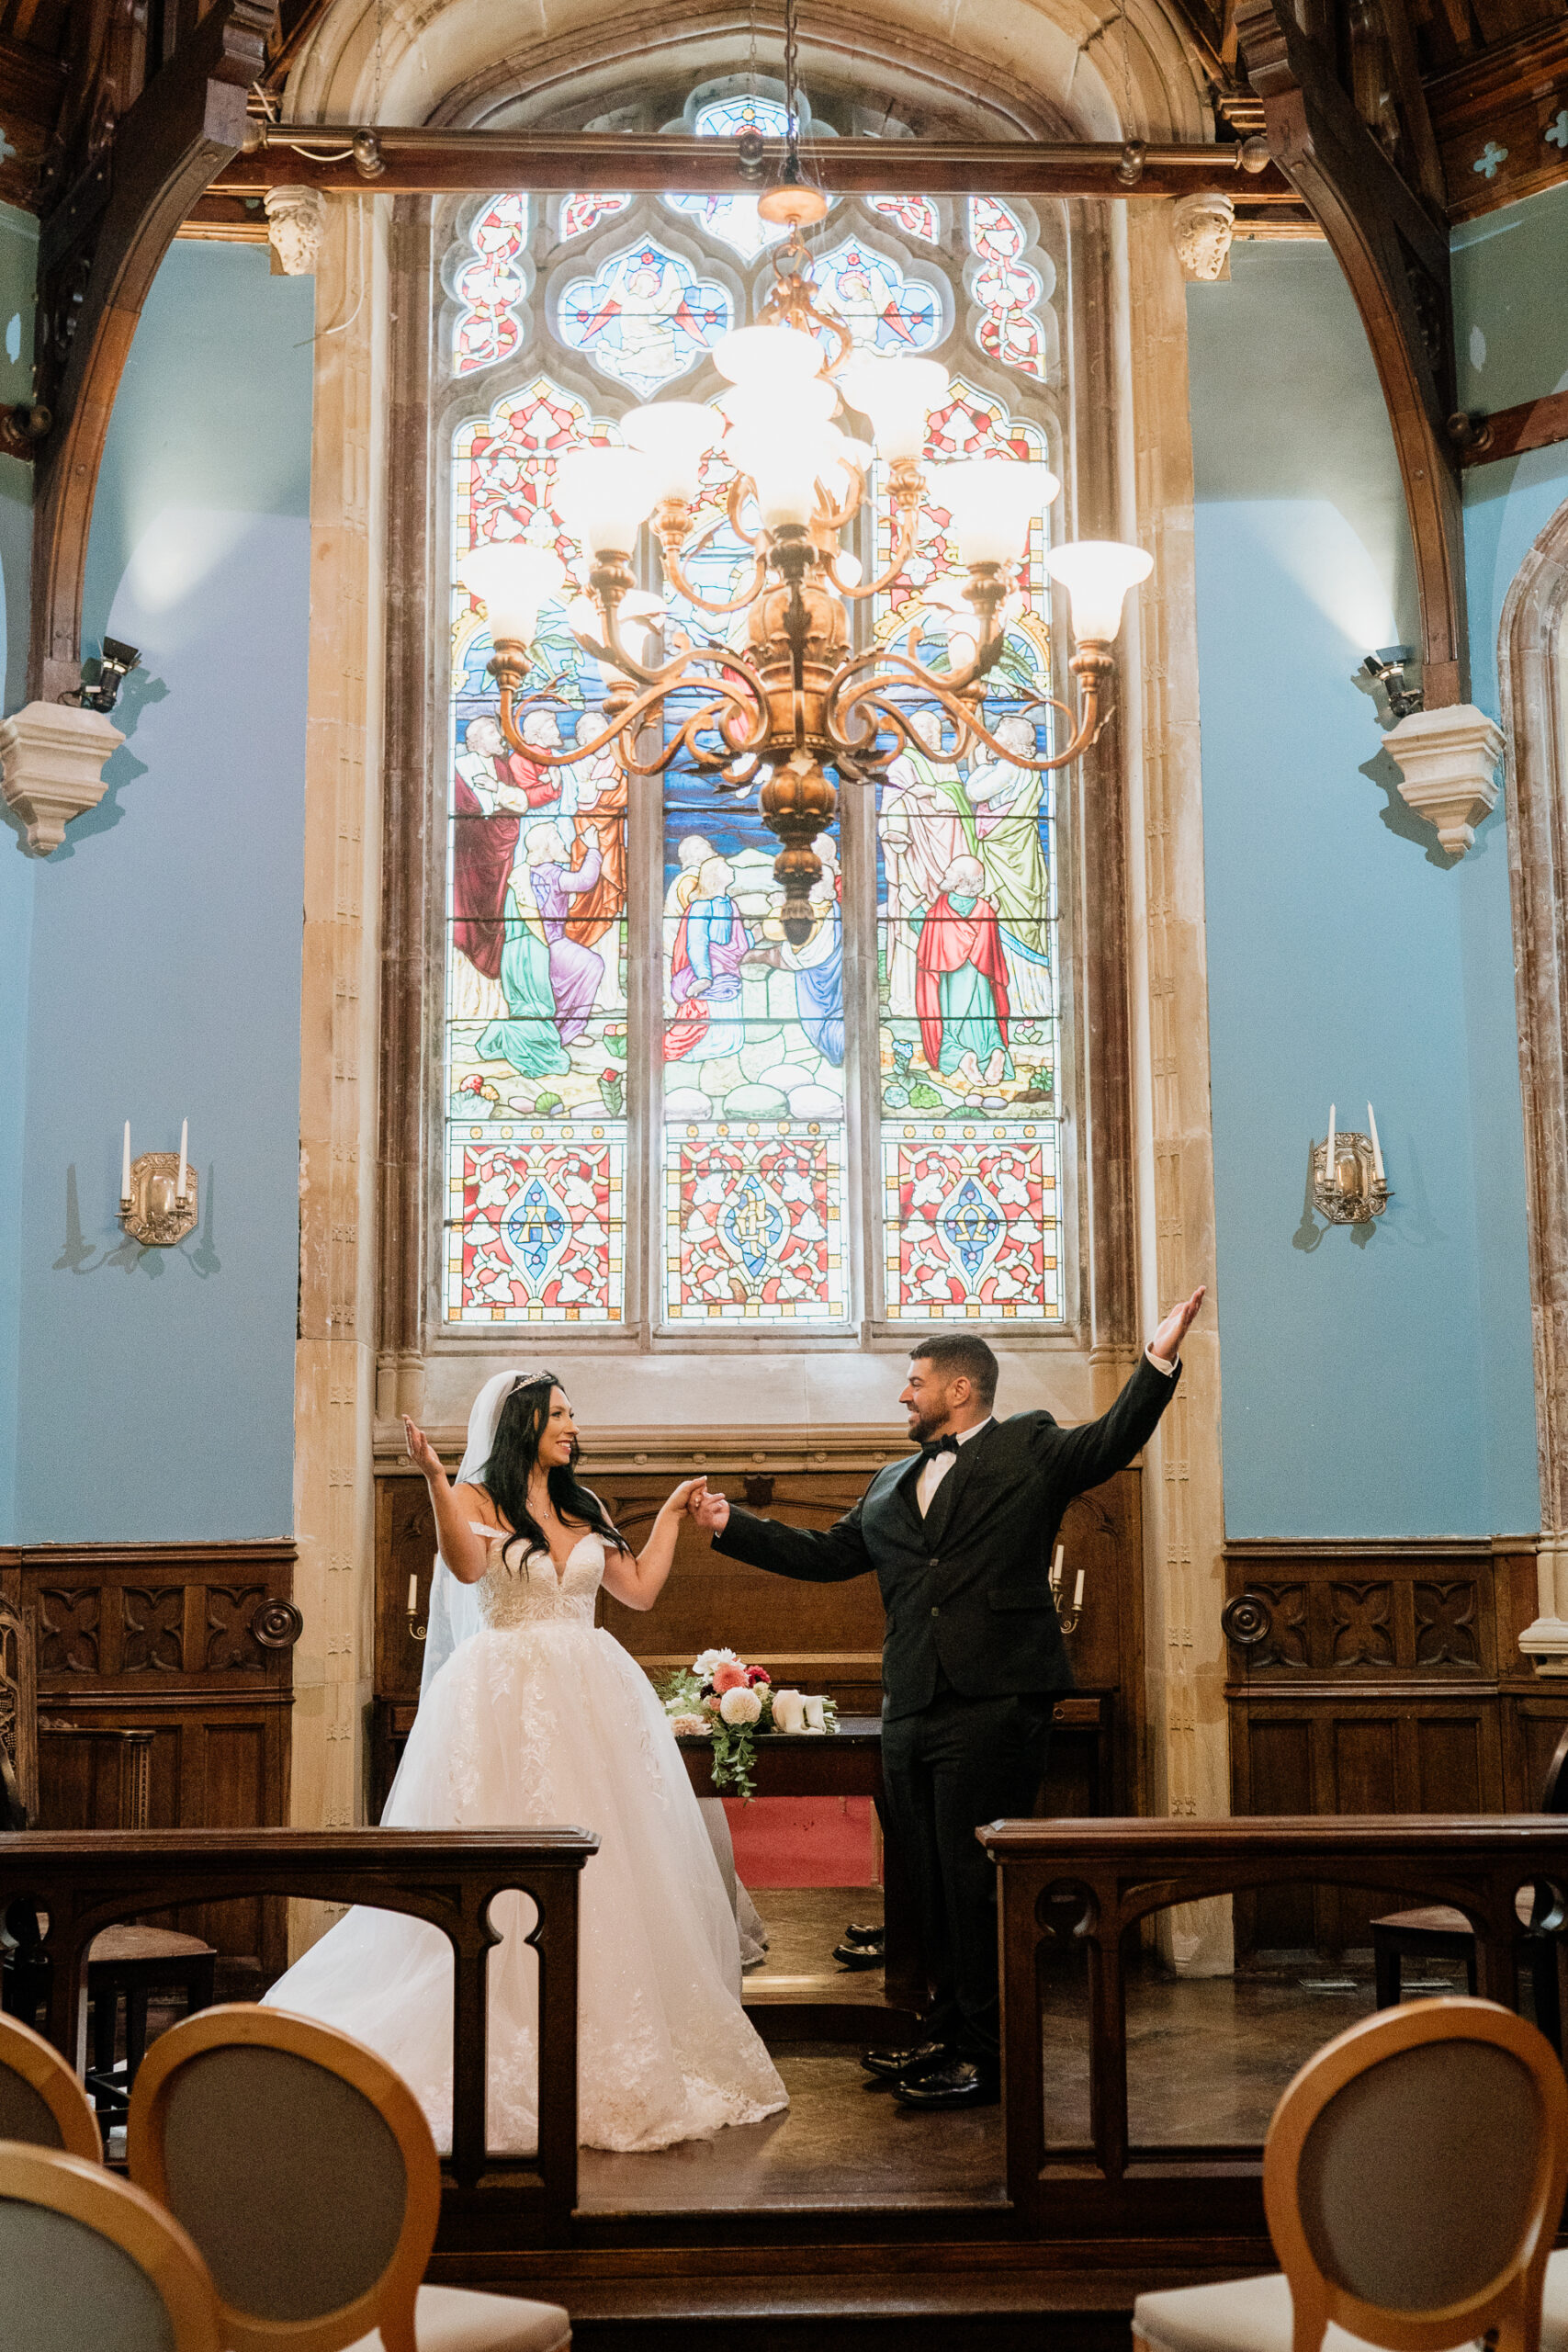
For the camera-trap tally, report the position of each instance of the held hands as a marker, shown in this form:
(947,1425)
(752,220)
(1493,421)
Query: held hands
(421,1454)
(710,1512)
(679,1502)
(1167,1341)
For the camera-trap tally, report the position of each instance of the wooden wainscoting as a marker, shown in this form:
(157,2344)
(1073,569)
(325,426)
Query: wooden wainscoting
(1380,1678)
(818,1637)
(191,1644)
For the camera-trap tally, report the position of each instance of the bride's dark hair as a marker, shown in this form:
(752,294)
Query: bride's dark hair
(513,1457)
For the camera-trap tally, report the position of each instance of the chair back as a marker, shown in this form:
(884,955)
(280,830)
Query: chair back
(86,2259)
(1382,2216)
(41,2101)
(301,2165)
(18,1718)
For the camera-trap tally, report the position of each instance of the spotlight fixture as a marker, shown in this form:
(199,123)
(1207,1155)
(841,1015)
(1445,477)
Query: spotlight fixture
(1394,674)
(115,664)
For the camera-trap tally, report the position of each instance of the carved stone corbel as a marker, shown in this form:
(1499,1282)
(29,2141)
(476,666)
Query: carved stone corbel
(52,756)
(1395,259)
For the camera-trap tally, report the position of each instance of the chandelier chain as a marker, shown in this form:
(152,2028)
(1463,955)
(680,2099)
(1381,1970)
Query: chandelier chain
(792,116)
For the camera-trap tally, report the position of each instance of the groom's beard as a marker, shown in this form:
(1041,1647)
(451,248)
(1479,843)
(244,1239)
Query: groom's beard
(925,1427)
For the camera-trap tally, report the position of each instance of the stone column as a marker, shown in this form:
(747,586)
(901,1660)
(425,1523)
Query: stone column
(1184,1493)
(334,1373)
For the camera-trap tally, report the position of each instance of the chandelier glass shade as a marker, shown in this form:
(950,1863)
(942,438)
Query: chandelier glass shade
(788,700)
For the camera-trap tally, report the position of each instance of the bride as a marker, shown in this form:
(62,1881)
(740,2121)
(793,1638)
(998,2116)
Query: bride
(536,1717)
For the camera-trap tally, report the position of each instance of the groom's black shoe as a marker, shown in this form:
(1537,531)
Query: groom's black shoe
(964,2082)
(857,1955)
(909,2066)
(865,1935)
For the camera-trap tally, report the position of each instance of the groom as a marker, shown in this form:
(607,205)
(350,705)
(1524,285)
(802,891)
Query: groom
(959,1538)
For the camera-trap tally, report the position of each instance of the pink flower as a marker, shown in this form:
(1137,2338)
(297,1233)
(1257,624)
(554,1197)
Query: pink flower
(755,1674)
(729,1677)
(711,1704)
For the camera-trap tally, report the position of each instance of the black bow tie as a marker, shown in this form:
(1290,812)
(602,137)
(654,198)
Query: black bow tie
(938,1445)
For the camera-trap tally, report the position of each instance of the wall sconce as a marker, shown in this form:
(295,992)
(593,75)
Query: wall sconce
(1066,1618)
(115,664)
(1395,678)
(157,1193)
(1348,1183)
(418,1627)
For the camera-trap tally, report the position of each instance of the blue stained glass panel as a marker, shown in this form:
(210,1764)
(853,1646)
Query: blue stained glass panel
(644,317)
(882,309)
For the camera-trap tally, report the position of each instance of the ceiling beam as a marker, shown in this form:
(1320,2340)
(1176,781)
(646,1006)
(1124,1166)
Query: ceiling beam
(1395,260)
(98,252)
(423,162)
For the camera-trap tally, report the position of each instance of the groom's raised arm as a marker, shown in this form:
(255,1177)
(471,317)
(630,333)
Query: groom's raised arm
(816,1555)
(1085,1456)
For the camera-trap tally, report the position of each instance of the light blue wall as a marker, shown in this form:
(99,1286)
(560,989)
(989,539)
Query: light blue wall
(19,253)
(156,1386)
(1377,1382)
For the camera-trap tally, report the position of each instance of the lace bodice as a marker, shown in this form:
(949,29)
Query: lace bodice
(525,1589)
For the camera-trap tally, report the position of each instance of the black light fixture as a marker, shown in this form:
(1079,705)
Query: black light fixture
(1394,679)
(115,664)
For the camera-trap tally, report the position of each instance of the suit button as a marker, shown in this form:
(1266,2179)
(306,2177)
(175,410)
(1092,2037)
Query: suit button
(933,1564)
(936,1612)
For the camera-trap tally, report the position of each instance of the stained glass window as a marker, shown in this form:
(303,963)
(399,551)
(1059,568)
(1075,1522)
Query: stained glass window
(490,285)
(645,317)
(537,930)
(966,922)
(1008,327)
(753,1047)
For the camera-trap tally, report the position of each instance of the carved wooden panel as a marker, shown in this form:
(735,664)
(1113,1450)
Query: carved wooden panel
(154,1628)
(68,1618)
(1366,1611)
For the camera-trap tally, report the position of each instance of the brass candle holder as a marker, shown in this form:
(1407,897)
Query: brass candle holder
(1354,1190)
(154,1212)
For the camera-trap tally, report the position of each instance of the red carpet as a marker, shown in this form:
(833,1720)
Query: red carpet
(805,1842)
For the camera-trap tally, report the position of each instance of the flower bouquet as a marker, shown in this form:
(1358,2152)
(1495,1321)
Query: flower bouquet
(720,1698)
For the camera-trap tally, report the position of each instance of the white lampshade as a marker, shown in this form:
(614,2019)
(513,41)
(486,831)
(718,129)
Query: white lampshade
(765,355)
(898,395)
(512,580)
(848,566)
(783,468)
(639,617)
(992,503)
(605,496)
(780,405)
(674,437)
(1097,574)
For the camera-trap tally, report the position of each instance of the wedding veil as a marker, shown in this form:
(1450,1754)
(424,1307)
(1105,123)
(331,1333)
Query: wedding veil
(454,1611)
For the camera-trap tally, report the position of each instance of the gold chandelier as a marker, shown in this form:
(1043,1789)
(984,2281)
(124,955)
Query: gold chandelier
(794,701)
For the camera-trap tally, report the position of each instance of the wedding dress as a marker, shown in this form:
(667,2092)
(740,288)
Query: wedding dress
(540,1718)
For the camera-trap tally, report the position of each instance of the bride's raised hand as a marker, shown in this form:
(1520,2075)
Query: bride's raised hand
(421,1454)
(681,1501)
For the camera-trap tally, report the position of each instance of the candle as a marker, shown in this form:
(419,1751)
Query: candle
(1078,1591)
(414,1593)
(1056,1570)
(1377,1147)
(125,1166)
(1330,1174)
(789,1711)
(814,1714)
(180,1187)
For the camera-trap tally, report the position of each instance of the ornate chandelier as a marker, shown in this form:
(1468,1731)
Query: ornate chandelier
(794,701)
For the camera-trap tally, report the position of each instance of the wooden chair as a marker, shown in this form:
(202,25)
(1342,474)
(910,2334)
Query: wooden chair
(127,1964)
(1413,2180)
(40,2101)
(303,2167)
(86,2259)
(1438,1932)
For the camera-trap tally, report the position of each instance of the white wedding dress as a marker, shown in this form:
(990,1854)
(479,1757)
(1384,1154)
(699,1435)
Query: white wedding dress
(539,1718)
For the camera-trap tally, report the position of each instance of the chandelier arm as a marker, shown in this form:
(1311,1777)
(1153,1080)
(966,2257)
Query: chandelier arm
(682,586)
(907,534)
(733,504)
(565,758)
(845,709)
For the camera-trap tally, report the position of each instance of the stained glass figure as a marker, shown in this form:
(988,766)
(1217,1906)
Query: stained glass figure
(1007,288)
(491,287)
(754,1049)
(536,946)
(915,215)
(644,317)
(965,941)
(882,309)
(733,216)
(581,213)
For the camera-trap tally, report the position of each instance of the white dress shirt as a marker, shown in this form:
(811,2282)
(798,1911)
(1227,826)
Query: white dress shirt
(934,1472)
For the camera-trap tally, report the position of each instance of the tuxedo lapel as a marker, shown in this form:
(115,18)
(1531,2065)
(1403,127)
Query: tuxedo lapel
(945,1500)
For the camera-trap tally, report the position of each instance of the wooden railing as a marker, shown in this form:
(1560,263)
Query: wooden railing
(89,1880)
(1096,1881)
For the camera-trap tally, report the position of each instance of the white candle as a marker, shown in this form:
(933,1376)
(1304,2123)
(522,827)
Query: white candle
(1377,1147)
(180,1187)
(1078,1591)
(414,1593)
(1056,1570)
(125,1166)
(1328,1175)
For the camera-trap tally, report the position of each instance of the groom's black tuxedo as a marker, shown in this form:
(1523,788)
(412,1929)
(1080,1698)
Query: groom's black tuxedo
(971,1656)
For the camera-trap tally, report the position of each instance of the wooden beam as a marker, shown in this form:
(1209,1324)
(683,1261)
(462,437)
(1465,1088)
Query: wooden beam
(1509,432)
(1411,101)
(99,251)
(1395,259)
(422,162)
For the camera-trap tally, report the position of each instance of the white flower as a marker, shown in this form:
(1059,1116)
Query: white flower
(703,1667)
(692,1726)
(742,1706)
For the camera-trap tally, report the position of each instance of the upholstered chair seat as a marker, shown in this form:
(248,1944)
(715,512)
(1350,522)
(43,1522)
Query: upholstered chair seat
(455,2318)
